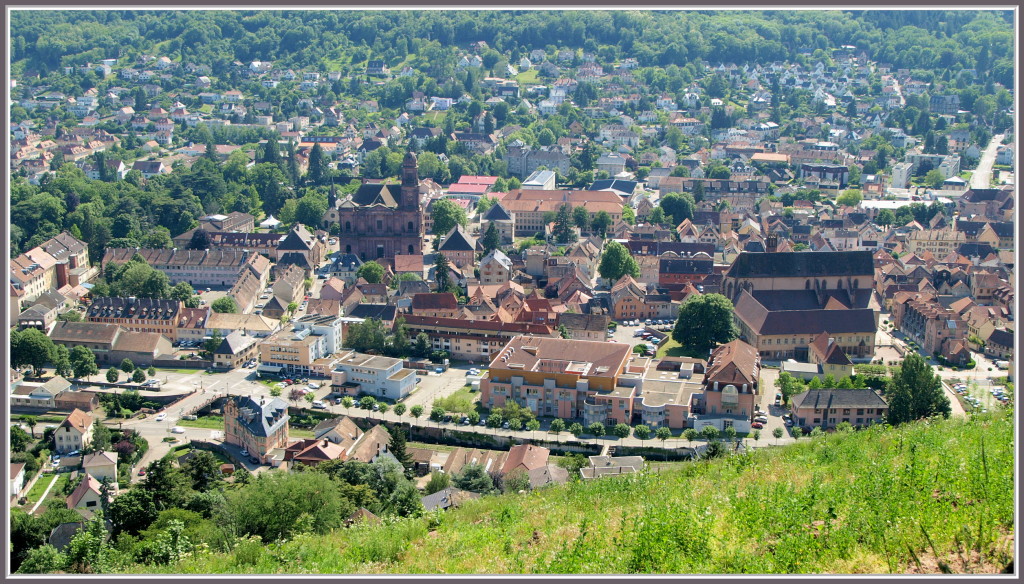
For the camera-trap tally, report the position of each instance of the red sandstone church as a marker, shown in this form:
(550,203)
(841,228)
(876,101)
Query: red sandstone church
(381,220)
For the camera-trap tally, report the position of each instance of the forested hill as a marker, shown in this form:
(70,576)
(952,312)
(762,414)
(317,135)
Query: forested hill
(45,40)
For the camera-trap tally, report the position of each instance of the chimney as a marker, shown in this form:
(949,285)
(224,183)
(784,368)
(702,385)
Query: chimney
(771,243)
(325,442)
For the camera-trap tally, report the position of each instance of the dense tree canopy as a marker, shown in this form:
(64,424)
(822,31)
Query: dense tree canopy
(705,321)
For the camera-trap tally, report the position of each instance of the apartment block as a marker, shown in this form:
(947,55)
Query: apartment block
(359,373)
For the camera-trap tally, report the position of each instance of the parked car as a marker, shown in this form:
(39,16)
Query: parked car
(245,452)
(439,370)
(757,425)
(319,405)
(313,385)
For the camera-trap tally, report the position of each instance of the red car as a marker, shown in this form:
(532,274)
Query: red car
(757,425)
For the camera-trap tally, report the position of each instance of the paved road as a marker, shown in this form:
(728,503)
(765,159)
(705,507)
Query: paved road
(983,174)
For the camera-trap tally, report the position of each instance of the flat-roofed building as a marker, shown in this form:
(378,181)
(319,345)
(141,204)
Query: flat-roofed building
(358,373)
(561,377)
(306,347)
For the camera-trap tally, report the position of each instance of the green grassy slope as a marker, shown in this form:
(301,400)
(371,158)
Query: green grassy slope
(926,497)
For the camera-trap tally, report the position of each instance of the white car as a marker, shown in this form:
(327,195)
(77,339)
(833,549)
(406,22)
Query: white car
(161,417)
(314,385)
(177,430)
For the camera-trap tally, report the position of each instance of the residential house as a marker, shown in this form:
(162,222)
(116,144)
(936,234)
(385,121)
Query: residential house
(829,357)
(459,247)
(585,327)
(730,387)
(631,300)
(256,426)
(88,496)
(235,350)
(471,340)
(17,480)
(74,433)
(38,396)
(101,466)
(290,285)
(447,498)
(926,321)
(826,408)
(438,305)
(495,268)
(1000,344)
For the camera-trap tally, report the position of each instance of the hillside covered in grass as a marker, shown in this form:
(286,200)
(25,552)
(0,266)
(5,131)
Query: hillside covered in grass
(931,496)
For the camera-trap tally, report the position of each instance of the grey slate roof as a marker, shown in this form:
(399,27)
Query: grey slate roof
(458,240)
(497,213)
(385,312)
(763,321)
(838,398)
(445,498)
(261,420)
(802,264)
(588,322)
(298,239)
(1001,337)
(234,343)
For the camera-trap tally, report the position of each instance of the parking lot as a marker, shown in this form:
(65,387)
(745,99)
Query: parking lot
(626,331)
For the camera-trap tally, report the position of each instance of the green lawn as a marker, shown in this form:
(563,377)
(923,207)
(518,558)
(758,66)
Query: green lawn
(42,420)
(37,489)
(434,116)
(671,348)
(211,422)
(464,400)
(299,433)
(528,77)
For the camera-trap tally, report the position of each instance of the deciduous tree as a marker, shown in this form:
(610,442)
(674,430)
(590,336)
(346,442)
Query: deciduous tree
(916,392)
(616,261)
(705,321)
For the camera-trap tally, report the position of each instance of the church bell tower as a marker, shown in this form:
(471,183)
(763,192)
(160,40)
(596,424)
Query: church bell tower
(410,183)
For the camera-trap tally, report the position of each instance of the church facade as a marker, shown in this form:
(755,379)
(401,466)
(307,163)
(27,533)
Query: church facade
(380,220)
